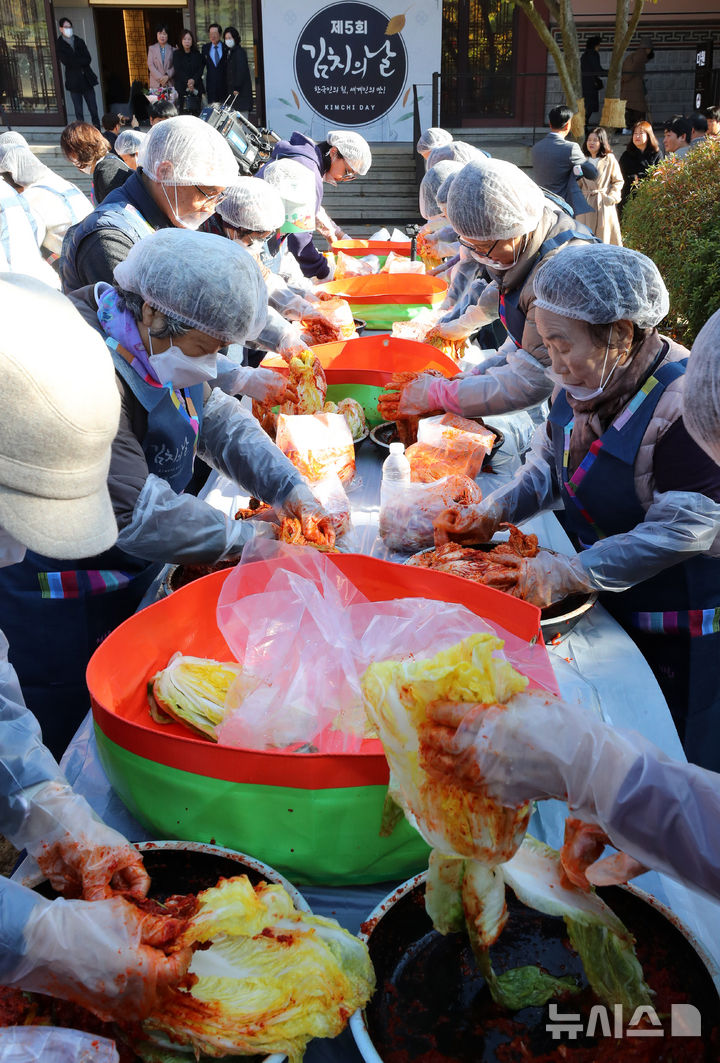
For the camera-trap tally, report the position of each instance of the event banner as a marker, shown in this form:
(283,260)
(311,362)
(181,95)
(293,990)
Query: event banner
(350,65)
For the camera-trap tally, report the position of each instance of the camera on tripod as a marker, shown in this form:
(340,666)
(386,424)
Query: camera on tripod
(251,146)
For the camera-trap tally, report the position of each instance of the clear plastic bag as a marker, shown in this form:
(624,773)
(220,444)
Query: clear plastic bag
(448,445)
(52,1044)
(408,510)
(337,311)
(305,635)
(395,263)
(317,444)
(355,265)
(330,493)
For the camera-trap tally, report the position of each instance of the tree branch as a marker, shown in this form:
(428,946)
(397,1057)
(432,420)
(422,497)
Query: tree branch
(546,36)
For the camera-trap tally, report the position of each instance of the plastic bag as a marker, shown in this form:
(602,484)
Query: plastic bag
(420,329)
(408,510)
(355,266)
(317,444)
(448,445)
(53,1044)
(330,493)
(338,313)
(395,263)
(305,635)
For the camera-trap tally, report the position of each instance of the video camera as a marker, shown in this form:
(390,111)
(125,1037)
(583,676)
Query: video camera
(251,146)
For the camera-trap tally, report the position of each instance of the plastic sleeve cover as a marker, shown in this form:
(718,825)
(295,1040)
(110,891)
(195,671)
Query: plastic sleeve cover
(677,526)
(24,761)
(275,333)
(468,316)
(520,383)
(16,905)
(533,488)
(232,441)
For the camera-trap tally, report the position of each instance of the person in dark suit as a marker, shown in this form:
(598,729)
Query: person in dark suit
(237,72)
(188,63)
(80,79)
(215,64)
(557,163)
(592,75)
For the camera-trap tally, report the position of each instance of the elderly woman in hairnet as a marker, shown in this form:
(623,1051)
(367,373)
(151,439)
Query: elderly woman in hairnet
(507,224)
(639,497)
(342,157)
(433,137)
(177,299)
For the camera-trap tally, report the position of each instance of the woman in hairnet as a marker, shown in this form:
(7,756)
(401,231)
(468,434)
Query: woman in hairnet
(433,137)
(178,297)
(507,224)
(456,151)
(342,157)
(438,237)
(59,410)
(639,497)
(56,203)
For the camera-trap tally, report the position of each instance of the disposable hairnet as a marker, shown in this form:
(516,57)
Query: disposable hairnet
(196,152)
(701,398)
(21,164)
(12,137)
(295,185)
(353,148)
(601,283)
(430,184)
(434,137)
(253,204)
(455,151)
(129,142)
(494,200)
(207,282)
(441,196)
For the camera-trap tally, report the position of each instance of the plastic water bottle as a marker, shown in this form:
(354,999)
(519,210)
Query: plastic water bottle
(396,467)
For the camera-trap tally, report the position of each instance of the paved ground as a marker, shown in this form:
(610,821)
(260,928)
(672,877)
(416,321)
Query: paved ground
(8,856)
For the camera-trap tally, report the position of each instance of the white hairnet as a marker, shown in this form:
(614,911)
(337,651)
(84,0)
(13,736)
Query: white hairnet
(434,137)
(196,152)
(441,196)
(12,137)
(129,142)
(295,185)
(494,200)
(353,148)
(601,283)
(252,204)
(207,282)
(21,164)
(455,151)
(430,185)
(701,395)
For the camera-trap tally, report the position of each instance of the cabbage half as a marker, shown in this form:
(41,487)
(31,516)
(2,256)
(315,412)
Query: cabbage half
(272,979)
(192,691)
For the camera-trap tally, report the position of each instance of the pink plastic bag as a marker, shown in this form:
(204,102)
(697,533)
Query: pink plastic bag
(305,636)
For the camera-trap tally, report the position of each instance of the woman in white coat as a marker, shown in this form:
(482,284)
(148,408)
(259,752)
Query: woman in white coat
(602,192)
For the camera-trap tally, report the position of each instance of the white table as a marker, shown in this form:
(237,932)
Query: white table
(598,648)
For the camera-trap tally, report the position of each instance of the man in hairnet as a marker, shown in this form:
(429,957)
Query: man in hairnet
(509,227)
(59,410)
(178,297)
(183,168)
(342,157)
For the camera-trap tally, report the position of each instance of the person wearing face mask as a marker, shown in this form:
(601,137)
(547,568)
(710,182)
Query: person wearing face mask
(59,410)
(56,203)
(183,168)
(510,227)
(639,497)
(342,157)
(237,73)
(176,300)
(80,78)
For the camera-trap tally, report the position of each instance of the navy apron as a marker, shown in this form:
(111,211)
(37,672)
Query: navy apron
(673,617)
(55,614)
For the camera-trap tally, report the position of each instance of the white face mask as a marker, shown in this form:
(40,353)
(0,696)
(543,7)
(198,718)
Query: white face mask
(67,30)
(175,367)
(193,219)
(501,267)
(11,550)
(255,247)
(581,394)
(229,42)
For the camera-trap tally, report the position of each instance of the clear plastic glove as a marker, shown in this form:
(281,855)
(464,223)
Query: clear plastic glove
(546,578)
(662,812)
(315,523)
(416,396)
(268,387)
(292,344)
(469,524)
(104,955)
(79,854)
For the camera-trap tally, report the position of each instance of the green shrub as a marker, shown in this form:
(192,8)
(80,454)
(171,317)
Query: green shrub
(674,219)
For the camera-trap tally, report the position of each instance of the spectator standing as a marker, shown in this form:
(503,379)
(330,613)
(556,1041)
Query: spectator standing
(602,193)
(111,128)
(592,75)
(160,62)
(237,72)
(676,138)
(558,163)
(214,55)
(80,79)
(698,129)
(188,63)
(632,84)
(161,110)
(87,149)
(642,152)
(713,120)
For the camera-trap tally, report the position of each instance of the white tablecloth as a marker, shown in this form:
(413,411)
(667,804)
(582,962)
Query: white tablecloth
(598,648)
